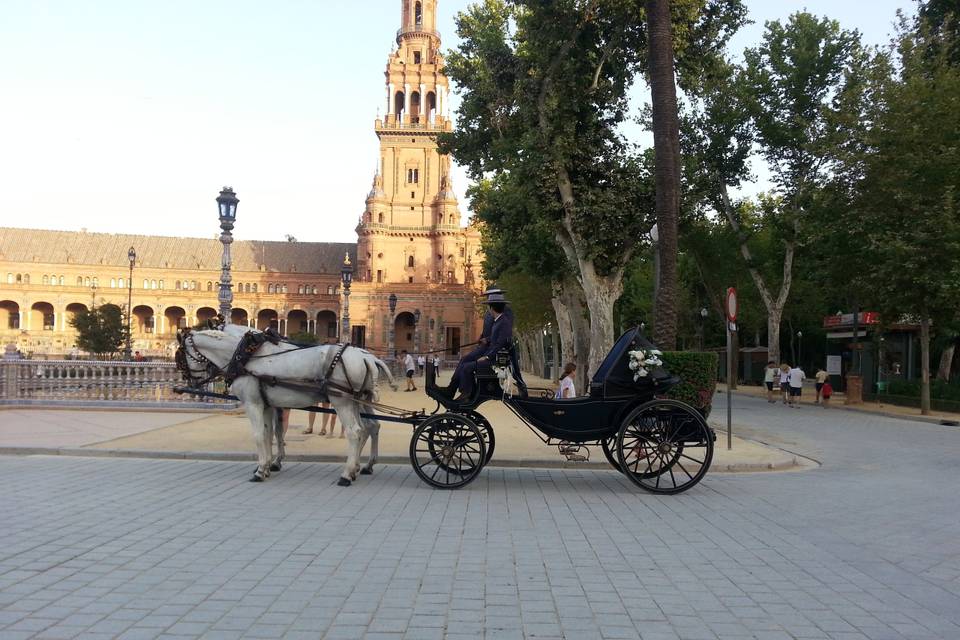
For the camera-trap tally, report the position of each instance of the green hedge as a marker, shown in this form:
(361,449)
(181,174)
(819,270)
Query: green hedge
(698,375)
(939,390)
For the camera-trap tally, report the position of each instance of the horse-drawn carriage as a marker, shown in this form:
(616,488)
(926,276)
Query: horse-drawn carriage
(661,445)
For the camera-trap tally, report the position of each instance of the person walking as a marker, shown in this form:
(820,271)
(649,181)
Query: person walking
(436,364)
(825,392)
(410,368)
(325,418)
(769,377)
(796,377)
(785,382)
(421,364)
(821,377)
(567,388)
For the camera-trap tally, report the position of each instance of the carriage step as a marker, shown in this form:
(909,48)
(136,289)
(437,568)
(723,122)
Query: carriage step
(574,452)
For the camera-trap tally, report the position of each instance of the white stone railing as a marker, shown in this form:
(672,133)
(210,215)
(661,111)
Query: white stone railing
(96,383)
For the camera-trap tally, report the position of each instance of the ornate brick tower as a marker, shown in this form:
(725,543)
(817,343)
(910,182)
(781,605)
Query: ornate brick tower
(410,230)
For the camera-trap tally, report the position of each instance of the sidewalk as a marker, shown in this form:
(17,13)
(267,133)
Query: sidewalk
(837,403)
(227,436)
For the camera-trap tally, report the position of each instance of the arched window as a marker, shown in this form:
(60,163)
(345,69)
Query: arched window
(418,13)
(254,287)
(86,282)
(61,281)
(269,288)
(193,285)
(160,285)
(96,283)
(247,288)
(284,288)
(153,284)
(178,285)
(122,283)
(398,103)
(314,291)
(380,218)
(239,287)
(146,284)
(46,280)
(26,278)
(329,290)
(113,283)
(9,278)
(409,261)
(79,281)
(209,286)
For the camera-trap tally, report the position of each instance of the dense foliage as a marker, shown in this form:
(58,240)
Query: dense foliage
(698,377)
(101,331)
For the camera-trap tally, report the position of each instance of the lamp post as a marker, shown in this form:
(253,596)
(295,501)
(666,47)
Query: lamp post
(93,296)
(227,207)
(799,347)
(132,256)
(703,317)
(416,330)
(346,277)
(392,301)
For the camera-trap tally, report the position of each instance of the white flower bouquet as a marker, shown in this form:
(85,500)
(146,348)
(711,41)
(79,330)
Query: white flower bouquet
(641,361)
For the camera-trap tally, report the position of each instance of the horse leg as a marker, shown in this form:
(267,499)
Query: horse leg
(277,463)
(373,429)
(255,415)
(350,418)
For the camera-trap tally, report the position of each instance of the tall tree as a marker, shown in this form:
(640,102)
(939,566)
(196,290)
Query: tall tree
(907,208)
(666,144)
(101,330)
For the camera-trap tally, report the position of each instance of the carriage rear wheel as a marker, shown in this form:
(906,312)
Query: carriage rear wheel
(609,447)
(447,450)
(664,446)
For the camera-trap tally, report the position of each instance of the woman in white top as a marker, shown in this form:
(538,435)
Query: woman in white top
(567,388)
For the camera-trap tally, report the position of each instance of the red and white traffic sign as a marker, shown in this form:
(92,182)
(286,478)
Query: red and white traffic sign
(731,304)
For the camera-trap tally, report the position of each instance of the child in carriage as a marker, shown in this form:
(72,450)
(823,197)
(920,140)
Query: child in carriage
(567,388)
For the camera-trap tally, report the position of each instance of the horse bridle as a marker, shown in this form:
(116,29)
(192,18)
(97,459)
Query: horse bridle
(185,338)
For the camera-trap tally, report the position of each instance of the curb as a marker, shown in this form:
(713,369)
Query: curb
(943,422)
(791,463)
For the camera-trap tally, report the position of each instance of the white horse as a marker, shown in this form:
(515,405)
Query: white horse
(206,352)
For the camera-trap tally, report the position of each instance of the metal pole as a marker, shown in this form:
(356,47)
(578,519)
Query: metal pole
(346,314)
(129,312)
(729,385)
(226,289)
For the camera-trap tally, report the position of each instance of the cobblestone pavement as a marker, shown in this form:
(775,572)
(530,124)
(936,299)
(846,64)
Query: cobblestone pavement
(866,546)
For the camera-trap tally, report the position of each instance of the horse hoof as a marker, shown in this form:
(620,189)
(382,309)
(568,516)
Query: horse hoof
(276,466)
(343,482)
(256,479)
(366,472)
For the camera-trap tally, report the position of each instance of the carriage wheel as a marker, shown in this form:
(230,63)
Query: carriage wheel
(447,451)
(664,446)
(609,447)
(485,429)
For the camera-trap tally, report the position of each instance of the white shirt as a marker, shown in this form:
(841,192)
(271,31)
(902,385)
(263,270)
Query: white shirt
(784,376)
(769,374)
(408,363)
(421,361)
(567,383)
(797,377)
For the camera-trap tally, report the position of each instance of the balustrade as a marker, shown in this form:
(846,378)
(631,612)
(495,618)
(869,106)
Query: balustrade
(79,382)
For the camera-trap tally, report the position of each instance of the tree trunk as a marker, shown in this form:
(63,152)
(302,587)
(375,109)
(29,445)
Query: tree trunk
(925,365)
(572,297)
(946,362)
(666,146)
(774,306)
(600,298)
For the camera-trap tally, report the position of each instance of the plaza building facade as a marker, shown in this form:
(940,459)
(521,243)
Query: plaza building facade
(411,248)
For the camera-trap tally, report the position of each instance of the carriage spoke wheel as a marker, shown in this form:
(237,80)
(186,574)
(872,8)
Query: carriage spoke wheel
(664,446)
(447,451)
(609,447)
(485,430)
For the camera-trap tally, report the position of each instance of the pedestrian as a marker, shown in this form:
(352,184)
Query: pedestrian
(825,392)
(821,376)
(796,377)
(769,377)
(409,368)
(785,382)
(567,388)
(421,364)
(325,418)
(436,364)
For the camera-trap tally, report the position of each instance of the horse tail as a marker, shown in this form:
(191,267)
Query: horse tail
(382,366)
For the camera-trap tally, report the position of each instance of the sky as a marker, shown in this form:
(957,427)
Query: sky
(128,116)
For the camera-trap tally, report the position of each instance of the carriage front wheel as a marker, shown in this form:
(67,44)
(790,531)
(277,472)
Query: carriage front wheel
(664,446)
(447,451)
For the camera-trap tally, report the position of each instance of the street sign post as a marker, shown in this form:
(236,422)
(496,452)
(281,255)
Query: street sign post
(731,308)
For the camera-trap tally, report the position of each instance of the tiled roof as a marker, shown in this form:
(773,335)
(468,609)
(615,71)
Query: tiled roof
(161,252)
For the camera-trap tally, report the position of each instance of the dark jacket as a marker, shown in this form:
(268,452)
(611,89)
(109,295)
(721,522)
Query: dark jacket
(501,334)
(488,322)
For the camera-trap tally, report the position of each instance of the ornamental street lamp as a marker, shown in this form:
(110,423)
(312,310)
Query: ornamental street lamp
(392,301)
(416,330)
(227,207)
(132,256)
(703,317)
(346,277)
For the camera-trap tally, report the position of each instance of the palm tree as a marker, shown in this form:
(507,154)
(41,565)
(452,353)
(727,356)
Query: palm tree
(666,147)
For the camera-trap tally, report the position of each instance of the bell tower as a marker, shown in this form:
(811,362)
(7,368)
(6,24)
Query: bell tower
(410,230)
